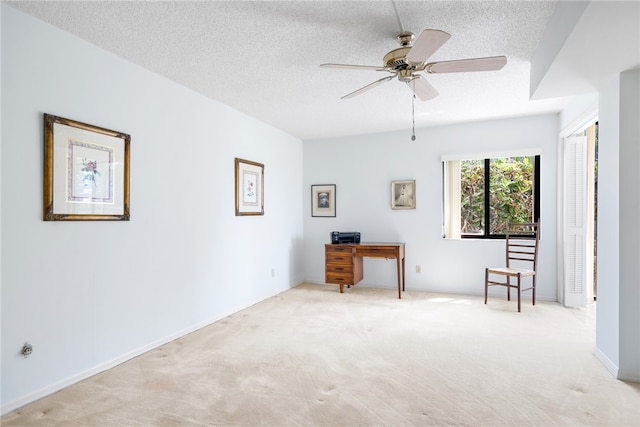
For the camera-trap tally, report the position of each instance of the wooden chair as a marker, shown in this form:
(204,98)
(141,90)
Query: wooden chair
(522,250)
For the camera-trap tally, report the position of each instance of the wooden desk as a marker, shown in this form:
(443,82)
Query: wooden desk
(343,262)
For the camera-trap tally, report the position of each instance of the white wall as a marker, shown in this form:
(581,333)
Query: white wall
(1,9)
(363,167)
(607,322)
(580,111)
(559,29)
(618,321)
(88,295)
(629,230)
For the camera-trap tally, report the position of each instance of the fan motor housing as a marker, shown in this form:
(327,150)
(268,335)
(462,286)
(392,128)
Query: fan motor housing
(396,59)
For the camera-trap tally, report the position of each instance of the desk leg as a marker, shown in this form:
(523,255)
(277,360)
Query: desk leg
(403,274)
(400,268)
(341,288)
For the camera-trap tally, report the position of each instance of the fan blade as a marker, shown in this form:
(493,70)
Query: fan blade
(354,67)
(491,63)
(422,88)
(426,45)
(368,87)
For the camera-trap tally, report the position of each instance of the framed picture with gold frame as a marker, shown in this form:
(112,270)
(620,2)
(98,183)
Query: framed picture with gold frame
(249,187)
(86,172)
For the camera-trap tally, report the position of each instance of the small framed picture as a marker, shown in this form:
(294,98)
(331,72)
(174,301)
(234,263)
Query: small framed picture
(86,172)
(403,194)
(249,188)
(323,200)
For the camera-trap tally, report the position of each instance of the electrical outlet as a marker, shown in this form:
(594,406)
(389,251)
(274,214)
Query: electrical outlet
(418,269)
(273,272)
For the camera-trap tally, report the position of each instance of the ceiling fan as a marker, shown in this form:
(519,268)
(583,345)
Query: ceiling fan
(411,58)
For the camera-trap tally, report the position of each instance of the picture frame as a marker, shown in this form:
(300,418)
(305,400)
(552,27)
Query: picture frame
(323,200)
(86,172)
(249,180)
(403,194)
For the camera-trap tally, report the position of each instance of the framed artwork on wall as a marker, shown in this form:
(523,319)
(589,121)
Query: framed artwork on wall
(249,188)
(403,194)
(323,200)
(86,172)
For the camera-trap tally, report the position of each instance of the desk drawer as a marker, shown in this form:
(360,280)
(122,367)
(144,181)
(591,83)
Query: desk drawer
(339,268)
(339,258)
(338,249)
(376,252)
(339,278)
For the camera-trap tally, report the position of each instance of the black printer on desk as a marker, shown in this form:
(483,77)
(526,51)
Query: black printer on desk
(338,237)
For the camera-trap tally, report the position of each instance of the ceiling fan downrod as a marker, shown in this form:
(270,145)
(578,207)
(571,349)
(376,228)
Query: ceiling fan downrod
(395,8)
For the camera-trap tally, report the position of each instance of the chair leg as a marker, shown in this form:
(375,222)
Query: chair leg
(508,288)
(519,292)
(486,284)
(533,284)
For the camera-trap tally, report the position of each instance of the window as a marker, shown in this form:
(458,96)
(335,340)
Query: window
(481,195)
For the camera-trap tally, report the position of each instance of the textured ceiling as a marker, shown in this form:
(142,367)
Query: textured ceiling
(262,57)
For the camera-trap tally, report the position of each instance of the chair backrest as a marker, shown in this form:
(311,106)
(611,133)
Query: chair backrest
(522,244)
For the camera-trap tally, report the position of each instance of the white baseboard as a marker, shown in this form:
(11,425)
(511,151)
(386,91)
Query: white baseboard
(611,367)
(408,287)
(629,376)
(52,388)
(614,370)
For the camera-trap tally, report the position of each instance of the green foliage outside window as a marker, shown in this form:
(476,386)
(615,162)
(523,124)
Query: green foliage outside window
(510,193)
(472,196)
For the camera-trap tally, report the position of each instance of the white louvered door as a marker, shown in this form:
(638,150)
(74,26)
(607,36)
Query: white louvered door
(575,221)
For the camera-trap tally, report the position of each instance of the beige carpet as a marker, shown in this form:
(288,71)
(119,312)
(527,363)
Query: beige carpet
(314,357)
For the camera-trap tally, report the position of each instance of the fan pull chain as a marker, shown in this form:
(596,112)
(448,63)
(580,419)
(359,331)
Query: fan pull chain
(413,117)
